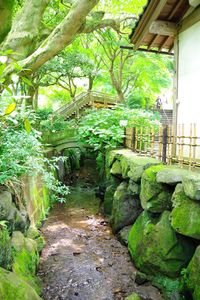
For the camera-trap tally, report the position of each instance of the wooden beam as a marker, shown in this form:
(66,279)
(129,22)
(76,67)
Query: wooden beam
(163,28)
(164,43)
(190,20)
(151,14)
(194,3)
(146,50)
(175,9)
(152,42)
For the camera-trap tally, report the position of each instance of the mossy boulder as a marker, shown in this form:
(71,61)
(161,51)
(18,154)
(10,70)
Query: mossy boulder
(191,185)
(133,188)
(5,249)
(108,199)
(185,216)
(193,271)
(116,169)
(137,166)
(117,154)
(123,235)
(125,208)
(170,175)
(25,258)
(155,197)
(156,248)
(16,220)
(12,287)
(133,296)
(34,234)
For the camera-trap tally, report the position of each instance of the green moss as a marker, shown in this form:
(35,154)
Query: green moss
(33,233)
(193,278)
(155,197)
(185,214)
(25,264)
(25,258)
(155,248)
(12,287)
(5,249)
(133,296)
(171,288)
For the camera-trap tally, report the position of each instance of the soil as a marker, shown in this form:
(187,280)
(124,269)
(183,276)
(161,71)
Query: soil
(82,259)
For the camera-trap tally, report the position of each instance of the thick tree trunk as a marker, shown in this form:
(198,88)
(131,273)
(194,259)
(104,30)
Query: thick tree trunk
(61,36)
(25,28)
(117,86)
(6,10)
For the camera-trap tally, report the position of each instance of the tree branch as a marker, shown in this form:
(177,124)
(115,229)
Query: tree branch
(25,28)
(6,10)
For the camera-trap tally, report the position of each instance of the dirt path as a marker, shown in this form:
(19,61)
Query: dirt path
(82,259)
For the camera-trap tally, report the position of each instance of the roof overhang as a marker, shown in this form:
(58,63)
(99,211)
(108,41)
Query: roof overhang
(157,27)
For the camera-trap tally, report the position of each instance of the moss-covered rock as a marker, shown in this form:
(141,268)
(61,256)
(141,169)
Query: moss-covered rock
(185,216)
(16,220)
(116,169)
(138,164)
(125,166)
(108,199)
(12,287)
(156,248)
(34,234)
(5,249)
(25,258)
(112,155)
(193,271)
(133,188)
(123,235)
(191,185)
(170,175)
(155,197)
(125,208)
(133,296)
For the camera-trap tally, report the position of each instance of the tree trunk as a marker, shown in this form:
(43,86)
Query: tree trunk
(25,28)
(117,86)
(6,10)
(91,81)
(61,36)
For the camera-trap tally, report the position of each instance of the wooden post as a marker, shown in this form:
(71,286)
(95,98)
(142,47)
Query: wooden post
(125,137)
(133,139)
(164,144)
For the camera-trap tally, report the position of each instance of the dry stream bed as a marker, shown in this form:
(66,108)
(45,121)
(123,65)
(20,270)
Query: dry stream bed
(82,259)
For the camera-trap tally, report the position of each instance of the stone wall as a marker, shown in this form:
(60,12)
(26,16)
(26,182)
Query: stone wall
(21,210)
(155,211)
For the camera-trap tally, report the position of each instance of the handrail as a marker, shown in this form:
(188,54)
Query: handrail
(83,99)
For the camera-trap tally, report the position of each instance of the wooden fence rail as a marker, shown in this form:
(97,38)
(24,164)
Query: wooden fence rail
(170,147)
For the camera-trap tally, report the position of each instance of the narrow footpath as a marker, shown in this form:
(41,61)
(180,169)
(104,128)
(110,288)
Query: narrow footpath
(82,259)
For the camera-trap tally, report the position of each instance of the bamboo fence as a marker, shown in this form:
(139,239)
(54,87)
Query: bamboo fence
(180,147)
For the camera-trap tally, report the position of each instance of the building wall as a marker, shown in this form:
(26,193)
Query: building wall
(189,75)
(188,111)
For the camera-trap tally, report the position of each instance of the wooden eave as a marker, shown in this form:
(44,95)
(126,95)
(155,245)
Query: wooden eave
(158,10)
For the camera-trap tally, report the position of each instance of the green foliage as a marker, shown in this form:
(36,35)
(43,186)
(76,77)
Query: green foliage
(21,152)
(104,129)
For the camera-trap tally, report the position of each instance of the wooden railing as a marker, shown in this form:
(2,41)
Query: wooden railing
(84,99)
(180,147)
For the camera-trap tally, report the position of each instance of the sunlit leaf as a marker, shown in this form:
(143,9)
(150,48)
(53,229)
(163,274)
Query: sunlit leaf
(27,125)
(10,108)
(27,81)
(8,89)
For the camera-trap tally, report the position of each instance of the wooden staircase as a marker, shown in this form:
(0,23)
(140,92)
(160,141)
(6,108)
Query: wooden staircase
(93,99)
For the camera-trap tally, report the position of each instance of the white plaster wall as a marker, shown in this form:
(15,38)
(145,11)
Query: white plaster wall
(189,75)
(189,82)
